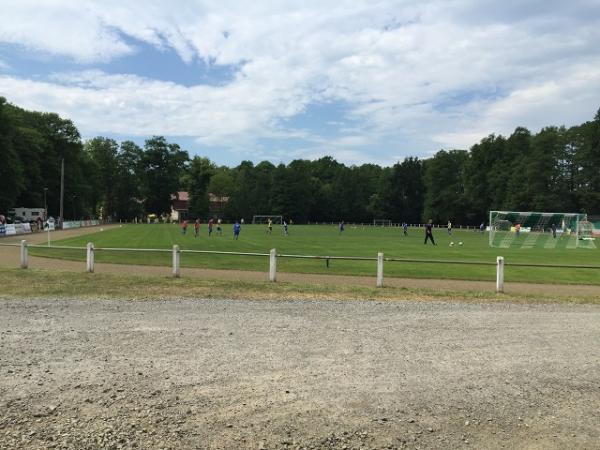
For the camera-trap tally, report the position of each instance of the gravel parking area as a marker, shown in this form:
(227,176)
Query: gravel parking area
(222,374)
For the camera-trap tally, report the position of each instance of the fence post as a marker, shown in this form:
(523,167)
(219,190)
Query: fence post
(90,257)
(500,274)
(273,265)
(24,256)
(176,261)
(379,269)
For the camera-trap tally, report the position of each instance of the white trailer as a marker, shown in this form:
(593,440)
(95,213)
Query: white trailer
(29,214)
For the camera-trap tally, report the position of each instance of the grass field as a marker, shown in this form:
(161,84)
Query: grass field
(326,240)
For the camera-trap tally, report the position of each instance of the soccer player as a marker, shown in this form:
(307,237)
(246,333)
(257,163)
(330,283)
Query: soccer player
(236,230)
(219,229)
(341,227)
(449,228)
(269,226)
(405,228)
(481,227)
(554,230)
(285,228)
(210,226)
(518,229)
(429,232)
(196,228)
(184,226)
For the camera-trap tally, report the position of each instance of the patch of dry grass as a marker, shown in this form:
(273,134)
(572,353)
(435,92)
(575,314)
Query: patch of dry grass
(36,283)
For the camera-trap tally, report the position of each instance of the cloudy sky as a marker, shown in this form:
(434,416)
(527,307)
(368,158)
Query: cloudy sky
(371,81)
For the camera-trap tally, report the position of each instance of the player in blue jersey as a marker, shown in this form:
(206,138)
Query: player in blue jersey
(236,230)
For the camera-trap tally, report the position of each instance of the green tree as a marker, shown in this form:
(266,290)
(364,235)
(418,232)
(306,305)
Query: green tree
(517,152)
(403,191)
(103,156)
(292,191)
(222,185)
(162,165)
(11,169)
(444,184)
(129,178)
(197,179)
(243,201)
(588,160)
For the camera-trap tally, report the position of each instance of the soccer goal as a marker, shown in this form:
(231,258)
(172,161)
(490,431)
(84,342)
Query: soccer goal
(382,223)
(528,229)
(264,218)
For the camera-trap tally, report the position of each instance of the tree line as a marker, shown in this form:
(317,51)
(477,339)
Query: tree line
(557,169)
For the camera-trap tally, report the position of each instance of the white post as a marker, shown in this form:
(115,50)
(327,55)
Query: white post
(24,258)
(90,257)
(379,269)
(500,274)
(176,261)
(273,265)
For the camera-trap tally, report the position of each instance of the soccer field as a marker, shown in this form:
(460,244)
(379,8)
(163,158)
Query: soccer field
(325,240)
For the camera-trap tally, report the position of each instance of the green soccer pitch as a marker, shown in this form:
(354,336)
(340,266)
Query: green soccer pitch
(325,240)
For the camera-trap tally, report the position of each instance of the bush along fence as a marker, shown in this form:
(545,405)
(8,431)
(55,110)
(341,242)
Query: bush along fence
(273,257)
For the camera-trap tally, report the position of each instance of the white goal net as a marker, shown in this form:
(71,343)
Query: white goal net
(529,229)
(264,218)
(382,223)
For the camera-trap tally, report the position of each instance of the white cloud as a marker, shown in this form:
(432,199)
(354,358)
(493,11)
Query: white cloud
(416,75)
(573,94)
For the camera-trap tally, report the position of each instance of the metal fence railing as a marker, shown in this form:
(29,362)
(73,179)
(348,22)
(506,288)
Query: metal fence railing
(176,252)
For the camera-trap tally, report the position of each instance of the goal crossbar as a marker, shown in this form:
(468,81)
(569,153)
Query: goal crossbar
(264,218)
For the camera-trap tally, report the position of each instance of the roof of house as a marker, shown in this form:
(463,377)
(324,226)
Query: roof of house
(181,196)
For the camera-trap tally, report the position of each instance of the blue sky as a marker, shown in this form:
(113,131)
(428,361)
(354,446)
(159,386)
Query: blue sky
(361,81)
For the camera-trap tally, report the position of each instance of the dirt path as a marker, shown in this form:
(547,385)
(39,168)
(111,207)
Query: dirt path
(9,257)
(237,374)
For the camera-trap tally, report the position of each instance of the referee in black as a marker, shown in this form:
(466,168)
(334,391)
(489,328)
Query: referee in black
(429,232)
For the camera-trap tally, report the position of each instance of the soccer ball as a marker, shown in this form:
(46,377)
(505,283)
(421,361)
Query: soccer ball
(460,243)
(101,229)
(451,244)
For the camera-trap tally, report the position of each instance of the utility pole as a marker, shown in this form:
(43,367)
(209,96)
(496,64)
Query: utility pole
(62,191)
(45,204)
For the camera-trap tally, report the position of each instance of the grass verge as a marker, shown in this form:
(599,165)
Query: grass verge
(36,283)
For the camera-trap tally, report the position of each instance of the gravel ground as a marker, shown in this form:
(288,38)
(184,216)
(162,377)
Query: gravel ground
(215,374)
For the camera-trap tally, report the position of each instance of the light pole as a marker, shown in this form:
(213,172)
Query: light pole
(45,204)
(74,197)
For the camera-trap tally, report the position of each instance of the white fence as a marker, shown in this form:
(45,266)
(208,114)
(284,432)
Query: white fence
(13,229)
(273,256)
(79,224)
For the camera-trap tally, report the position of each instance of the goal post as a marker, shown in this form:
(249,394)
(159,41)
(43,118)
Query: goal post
(528,229)
(382,222)
(264,218)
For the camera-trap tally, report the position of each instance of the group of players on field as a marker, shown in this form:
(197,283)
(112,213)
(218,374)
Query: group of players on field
(237,226)
(211,223)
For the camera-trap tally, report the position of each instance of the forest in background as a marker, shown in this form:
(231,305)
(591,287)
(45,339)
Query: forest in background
(554,170)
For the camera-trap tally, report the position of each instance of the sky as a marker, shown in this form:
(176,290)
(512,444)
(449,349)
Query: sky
(362,81)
